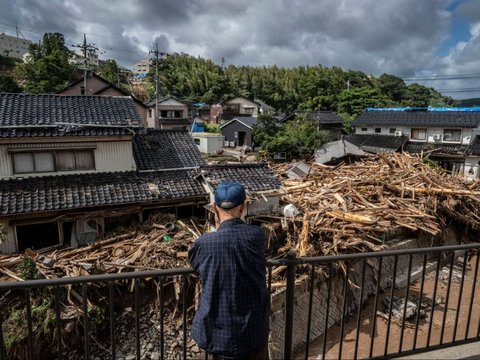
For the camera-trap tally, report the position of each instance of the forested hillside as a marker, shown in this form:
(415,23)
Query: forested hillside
(318,87)
(346,92)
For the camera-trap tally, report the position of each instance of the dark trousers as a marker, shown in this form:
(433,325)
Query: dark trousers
(261,354)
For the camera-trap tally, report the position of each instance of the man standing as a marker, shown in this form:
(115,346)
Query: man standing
(232,320)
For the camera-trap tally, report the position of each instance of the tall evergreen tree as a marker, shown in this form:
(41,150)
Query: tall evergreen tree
(47,68)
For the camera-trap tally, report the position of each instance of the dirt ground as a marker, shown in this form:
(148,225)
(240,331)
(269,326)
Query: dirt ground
(379,341)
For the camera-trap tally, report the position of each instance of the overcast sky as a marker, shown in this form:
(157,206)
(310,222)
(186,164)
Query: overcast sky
(407,38)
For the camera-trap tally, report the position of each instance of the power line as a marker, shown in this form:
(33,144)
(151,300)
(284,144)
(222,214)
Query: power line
(157,54)
(91,49)
(444,77)
(459,90)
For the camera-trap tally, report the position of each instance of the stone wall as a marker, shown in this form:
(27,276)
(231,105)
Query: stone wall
(319,303)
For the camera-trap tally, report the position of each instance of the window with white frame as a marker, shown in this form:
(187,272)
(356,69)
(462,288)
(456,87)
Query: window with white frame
(364,129)
(378,130)
(452,135)
(53,161)
(418,134)
(392,130)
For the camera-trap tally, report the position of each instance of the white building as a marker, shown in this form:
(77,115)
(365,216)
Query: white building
(208,143)
(14,47)
(92,58)
(141,67)
(449,136)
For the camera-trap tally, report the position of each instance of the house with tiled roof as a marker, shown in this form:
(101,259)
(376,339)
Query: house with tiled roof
(325,120)
(173,113)
(97,85)
(72,165)
(449,136)
(236,107)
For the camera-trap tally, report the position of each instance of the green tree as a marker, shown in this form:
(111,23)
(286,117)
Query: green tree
(298,138)
(47,68)
(109,70)
(354,101)
(392,86)
(286,89)
(267,126)
(417,96)
(8,84)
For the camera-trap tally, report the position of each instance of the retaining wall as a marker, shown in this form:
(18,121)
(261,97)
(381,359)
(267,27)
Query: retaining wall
(319,304)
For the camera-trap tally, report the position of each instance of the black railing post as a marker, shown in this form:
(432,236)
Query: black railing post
(3,351)
(289,302)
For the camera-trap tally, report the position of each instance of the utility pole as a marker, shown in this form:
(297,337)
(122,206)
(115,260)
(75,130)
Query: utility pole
(91,49)
(157,54)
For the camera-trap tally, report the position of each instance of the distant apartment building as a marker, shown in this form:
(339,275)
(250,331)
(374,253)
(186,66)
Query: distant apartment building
(92,58)
(14,47)
(140,71)
(141,67)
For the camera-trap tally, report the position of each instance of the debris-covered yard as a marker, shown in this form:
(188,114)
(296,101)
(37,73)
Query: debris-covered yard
(333,209)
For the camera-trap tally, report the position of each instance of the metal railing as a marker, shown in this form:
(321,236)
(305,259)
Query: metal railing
(331,304)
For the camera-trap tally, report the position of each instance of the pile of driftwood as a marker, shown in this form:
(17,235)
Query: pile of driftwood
(355,207)
(159,243)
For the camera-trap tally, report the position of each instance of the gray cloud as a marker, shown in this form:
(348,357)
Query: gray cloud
(401,37)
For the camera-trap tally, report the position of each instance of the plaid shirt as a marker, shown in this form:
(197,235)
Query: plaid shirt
(232,318)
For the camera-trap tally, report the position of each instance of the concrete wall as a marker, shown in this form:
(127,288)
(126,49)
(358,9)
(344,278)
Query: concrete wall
(319,304)
(14,47)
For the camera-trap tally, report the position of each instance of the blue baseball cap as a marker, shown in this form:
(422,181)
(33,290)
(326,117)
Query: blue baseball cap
(229,194)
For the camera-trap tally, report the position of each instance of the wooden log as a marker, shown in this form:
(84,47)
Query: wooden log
(304,235)
(362,219)
(11,274)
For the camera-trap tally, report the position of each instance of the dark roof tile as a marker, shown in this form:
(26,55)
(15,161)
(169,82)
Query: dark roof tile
(419,118)
(414,147)
(58,115)
(255,177)
(51,193)
(165,149)
(474,147)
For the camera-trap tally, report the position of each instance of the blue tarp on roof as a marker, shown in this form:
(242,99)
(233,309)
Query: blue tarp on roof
(439,109)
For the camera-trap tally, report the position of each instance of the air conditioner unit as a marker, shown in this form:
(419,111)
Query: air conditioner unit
(398,133)
(436,137)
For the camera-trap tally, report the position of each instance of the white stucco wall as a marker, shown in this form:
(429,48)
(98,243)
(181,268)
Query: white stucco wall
(467,133)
